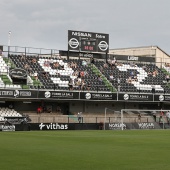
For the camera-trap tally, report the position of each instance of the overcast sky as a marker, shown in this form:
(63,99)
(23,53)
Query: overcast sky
(45,23)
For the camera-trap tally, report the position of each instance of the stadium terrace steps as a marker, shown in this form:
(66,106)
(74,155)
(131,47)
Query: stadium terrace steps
(7,112)
(58,78)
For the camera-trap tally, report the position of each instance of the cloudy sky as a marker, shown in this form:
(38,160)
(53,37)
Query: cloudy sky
(45,23)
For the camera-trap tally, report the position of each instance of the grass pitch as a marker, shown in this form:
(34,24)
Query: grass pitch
(85,150)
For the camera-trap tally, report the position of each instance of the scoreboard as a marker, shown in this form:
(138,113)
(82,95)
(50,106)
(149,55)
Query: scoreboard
(88,41)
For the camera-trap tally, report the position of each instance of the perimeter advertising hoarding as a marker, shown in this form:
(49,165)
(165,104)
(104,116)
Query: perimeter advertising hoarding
(161,97)
(132,58)
(82,54)
(18,94)
(46,94)
(139,125)
(6,93)
(98,96)
(88,41)
(135,97)
(63,126)
(58,95)
(7,127)
(103,56)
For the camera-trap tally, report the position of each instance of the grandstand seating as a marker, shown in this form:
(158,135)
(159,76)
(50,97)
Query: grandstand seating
(57,78)
(4,70)
(144,80)
(6,112)
(3,66)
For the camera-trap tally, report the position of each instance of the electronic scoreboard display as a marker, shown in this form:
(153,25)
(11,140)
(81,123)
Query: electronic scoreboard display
(88,41)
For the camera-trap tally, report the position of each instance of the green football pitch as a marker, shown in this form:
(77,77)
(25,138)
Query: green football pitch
(72,150)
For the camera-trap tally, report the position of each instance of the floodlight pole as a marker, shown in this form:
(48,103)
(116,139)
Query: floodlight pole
(9,38)
(9,41)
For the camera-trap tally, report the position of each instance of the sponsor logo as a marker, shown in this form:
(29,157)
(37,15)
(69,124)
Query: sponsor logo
(6,93)
(16,93)
(25,93)
(53,126)
(86,55)
(167,98)
(62,95)
(126,96)
(135,97)
(73,43)
(18,72)
(8,128)
(100,36)
(117,126)
(82,34)
(88,96)
(161,97)
(103,46)
(146,126)
(102,96)
(132,58)
(47,94)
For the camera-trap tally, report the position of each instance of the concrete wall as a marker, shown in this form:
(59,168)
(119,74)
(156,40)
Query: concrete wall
(138,51)
(150,51)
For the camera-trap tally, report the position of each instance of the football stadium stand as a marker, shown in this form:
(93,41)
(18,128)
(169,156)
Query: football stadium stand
(79,74)
(7,112)
(82,83)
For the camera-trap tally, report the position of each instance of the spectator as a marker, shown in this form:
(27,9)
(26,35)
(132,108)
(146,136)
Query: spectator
(92,60)
(105,65)
(70,84)
(86,73)
(101,69)
(118,80)
(58,109)
(82,74)
(34,60)
(49,110)
(167,78)
(59,57)
(22,57)
(79,83)
(168,117)
(79,117)
(155,73)
(39,110)
(36,75)
(88,86)
(161,116)
(139,117)
(113,63)
(46,63)
(111,77)
(149,73)
(144,67)
(132,74)
(44,109)
(154,115)
(100,78)
(84,63)
(83,84)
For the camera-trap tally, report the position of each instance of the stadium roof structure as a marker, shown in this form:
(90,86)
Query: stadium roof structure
(147,51)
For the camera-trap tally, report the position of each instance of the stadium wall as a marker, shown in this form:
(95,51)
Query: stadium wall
(148,51)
